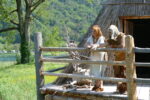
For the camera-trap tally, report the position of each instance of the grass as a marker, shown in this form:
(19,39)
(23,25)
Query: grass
(17,82)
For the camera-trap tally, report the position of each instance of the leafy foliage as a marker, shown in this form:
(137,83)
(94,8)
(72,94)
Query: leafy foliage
(56,19)
(53,37)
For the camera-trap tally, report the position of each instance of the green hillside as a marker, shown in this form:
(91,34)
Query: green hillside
(56,19)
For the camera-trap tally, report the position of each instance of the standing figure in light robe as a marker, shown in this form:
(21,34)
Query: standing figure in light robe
(97,70)
(117,40)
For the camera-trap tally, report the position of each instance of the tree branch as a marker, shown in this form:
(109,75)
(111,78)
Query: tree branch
(26,1)
(8,29)
(35,5)
(13,11)
(20,15)
(14,22)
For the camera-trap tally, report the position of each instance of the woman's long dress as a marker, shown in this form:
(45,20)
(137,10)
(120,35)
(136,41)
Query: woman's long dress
(97,70)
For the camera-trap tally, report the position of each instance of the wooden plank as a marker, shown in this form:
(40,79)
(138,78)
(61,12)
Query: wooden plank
(134,17)
(142,80)
(128,27)
(141,50)
(85,96)
(141,64)
(64,56)
(56,97)
(142,92)
(85,77)
(80,49)
(83,61)
(125,27)
(67,56)
(130,68)
(57,69)
(83,93)
(121,25)
(38,65)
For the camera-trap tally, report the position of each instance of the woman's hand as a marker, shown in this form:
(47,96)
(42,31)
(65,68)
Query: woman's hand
(94,46)
(89,46)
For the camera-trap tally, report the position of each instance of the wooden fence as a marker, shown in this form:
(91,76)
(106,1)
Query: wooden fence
(129,62)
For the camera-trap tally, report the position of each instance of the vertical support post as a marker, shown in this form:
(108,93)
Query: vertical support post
(38,65)
(130,68)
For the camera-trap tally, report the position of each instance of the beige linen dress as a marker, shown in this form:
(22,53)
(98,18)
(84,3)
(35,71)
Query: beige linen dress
(97,70)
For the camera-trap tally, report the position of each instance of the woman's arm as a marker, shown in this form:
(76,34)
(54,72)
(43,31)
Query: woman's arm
(103,45)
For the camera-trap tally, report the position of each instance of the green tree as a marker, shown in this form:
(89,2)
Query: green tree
(20,17)
(53,38)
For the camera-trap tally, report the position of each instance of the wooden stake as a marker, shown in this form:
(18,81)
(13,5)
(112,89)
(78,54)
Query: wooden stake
(38,64)
(130,68)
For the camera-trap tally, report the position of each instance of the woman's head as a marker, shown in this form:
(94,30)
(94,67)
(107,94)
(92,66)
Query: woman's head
(113,32)
(96,31)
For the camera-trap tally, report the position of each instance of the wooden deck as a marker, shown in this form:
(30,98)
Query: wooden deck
(143,93)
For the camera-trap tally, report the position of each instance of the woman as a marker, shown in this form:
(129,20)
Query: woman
(117,40)
(96,40)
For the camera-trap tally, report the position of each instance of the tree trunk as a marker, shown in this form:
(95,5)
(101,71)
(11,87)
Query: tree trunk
(24,50)
(24,23)
(25,38)
(25,43)
(24,9)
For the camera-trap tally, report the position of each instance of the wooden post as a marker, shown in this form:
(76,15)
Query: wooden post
(130,68)
(38,65)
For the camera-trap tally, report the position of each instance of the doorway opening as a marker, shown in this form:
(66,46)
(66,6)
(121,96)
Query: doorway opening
(140,30)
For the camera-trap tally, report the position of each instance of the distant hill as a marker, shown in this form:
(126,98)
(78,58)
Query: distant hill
(68,17)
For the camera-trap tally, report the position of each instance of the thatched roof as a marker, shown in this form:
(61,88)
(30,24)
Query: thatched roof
(113,9)
(109,14)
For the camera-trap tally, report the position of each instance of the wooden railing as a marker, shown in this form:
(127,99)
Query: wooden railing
(129,63)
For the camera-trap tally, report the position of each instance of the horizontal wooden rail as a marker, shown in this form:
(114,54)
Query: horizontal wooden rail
(142,80)
(65,56)
(57,69)
(80,49)
(85,77)
(83,61)
(141,50)
(141,64)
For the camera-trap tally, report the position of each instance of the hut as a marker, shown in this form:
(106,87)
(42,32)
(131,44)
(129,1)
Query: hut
(132,17)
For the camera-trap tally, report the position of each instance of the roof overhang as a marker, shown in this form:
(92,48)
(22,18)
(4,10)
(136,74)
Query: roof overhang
(134,17)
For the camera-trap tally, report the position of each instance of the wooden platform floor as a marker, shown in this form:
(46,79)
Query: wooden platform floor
(143,92)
